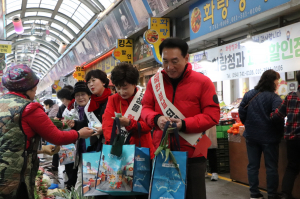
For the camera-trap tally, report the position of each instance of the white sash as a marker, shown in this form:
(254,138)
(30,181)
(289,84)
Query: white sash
(135,108)
(168,109)
(92,117)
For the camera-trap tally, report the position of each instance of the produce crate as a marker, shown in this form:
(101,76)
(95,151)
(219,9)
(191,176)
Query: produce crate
(219,128)
(222,153)
(222,135)
(227,122)
(223,164)
(226,127)
(223,143)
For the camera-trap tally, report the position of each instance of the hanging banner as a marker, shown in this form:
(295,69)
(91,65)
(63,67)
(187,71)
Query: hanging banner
(209,15)
(124,51)
(159,30)
(55,86)
(79,73)
(278,50)
(5,46)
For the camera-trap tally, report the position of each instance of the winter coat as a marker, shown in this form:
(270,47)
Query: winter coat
(96,143)
(53,111)
(195,97)
(256,117)
(113,106)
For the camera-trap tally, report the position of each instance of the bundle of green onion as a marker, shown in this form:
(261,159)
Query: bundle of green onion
(59,124)
(165,145)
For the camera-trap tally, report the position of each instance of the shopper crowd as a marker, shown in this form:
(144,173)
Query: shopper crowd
(191,94)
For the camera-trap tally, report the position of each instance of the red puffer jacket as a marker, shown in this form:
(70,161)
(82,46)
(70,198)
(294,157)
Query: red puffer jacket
(113,105)
(35,121)
(195,97)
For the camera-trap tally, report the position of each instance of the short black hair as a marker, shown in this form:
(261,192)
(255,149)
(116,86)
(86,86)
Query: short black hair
(298,77)
(174,43)
(99,74)
(124,72)
(48,102)
(266,82)
(69,87)
(64,94)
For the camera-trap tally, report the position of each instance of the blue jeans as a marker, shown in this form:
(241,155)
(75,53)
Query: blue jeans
(271,153)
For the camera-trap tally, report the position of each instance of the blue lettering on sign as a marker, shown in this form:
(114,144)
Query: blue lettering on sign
(207,16)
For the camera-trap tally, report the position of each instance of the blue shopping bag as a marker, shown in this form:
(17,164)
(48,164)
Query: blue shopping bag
(167,181)
(90,165)
(120,175)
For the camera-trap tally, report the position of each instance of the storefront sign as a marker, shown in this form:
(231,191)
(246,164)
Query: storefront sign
(124,51)
(55,86)
(106,65)
(5,46)
(278,50)
(159,30)
(79,73)
(209,15)
(141,50)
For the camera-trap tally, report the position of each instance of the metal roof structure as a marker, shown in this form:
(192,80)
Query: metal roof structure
(66,20)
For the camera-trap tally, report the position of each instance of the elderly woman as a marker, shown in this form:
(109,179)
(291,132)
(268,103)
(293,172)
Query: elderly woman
(51,108)
(22,124)
(262,135)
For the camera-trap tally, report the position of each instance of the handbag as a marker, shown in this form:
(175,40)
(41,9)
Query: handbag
(124,169)
(168,178)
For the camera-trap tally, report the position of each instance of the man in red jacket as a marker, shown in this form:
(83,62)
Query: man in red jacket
(181,95)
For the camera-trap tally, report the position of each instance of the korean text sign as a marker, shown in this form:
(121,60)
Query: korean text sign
(124,51)
(209,15)
(5,46)
(158,30)
(278,50)
(79,73)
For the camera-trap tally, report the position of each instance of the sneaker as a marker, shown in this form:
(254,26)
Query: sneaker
(257,196)
(206,175)
(214,177)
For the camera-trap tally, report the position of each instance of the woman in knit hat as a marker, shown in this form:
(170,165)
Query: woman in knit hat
(23,122)
(82,96)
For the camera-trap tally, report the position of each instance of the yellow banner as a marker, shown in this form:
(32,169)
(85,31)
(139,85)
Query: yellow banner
(55,86)
(79,73)
(5,48)
(158,30)
(124,51)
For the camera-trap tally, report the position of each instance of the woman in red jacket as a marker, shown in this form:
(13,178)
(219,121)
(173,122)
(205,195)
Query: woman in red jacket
(23,123)
(125,77)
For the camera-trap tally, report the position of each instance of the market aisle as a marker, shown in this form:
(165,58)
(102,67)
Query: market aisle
(223,189)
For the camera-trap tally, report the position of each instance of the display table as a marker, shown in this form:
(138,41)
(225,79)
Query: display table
(239,161)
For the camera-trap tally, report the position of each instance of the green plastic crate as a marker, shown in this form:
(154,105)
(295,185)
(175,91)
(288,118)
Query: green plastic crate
(219,128)
(221,134)
(225,128)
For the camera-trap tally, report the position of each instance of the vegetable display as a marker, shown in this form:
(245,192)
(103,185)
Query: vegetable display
(235,129)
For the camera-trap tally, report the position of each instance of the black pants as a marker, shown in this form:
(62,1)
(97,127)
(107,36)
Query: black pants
(212,160)
(196,178)
(72,174)
(293,167)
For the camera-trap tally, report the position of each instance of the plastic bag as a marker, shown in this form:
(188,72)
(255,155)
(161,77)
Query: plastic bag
(70,115)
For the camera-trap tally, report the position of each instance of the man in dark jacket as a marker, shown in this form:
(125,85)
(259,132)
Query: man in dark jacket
(290,107)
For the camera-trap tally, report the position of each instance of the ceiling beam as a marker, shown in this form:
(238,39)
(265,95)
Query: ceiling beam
(11,56)
(23,9)
(40,58)
(54,12)
(10,26)
(52,45)
(43,26)
(100,5)
(94,9)
(28,31)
